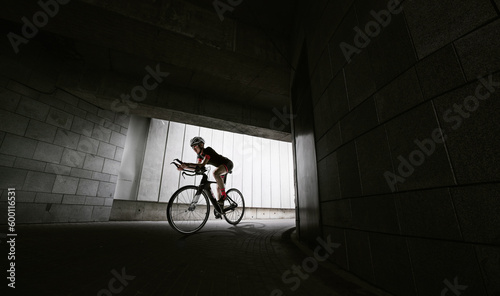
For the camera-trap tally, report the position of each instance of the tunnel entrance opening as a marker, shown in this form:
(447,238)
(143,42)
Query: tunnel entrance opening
(263,170)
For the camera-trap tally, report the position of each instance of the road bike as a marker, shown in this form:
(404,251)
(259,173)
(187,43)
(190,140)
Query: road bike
(189,208)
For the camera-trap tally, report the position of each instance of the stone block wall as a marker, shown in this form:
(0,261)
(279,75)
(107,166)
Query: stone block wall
(411,212)
(60,153)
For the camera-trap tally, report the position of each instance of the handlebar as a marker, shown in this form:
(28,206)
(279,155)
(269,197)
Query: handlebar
(177,162)
(197,171)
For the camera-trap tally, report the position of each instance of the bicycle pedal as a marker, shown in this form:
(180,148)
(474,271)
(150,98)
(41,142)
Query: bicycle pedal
(217,215)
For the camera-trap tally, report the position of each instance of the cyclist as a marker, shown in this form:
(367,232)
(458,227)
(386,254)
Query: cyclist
(209,156)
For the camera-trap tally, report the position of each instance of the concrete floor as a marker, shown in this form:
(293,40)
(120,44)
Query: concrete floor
(150,258)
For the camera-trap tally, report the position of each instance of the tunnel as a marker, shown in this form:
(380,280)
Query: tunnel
(362,133)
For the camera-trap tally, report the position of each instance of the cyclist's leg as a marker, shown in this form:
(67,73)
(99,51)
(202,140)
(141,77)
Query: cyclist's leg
(218,173)
(229,168)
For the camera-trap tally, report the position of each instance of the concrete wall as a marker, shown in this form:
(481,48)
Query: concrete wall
(60,153)
(308,214)
(409,230)
(125,210)
(133,158)
(104,63)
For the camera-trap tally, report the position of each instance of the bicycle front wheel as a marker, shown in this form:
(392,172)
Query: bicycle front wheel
(235,205)
(186,211)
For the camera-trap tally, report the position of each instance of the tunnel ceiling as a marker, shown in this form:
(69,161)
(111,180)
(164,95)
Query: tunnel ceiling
(242,60)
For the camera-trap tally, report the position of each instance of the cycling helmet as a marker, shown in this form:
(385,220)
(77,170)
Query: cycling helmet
(196,141)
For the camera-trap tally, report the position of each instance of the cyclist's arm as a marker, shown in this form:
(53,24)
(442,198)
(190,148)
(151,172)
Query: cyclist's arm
(193,166)
(202,163)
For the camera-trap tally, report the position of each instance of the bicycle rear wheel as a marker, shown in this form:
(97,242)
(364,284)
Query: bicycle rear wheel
(186,212)
(236,205)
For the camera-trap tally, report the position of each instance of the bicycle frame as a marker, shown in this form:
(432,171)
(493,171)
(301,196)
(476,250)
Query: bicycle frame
(205,186)
(182,213)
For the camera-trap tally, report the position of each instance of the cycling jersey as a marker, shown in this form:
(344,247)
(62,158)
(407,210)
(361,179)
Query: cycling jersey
(213,157)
